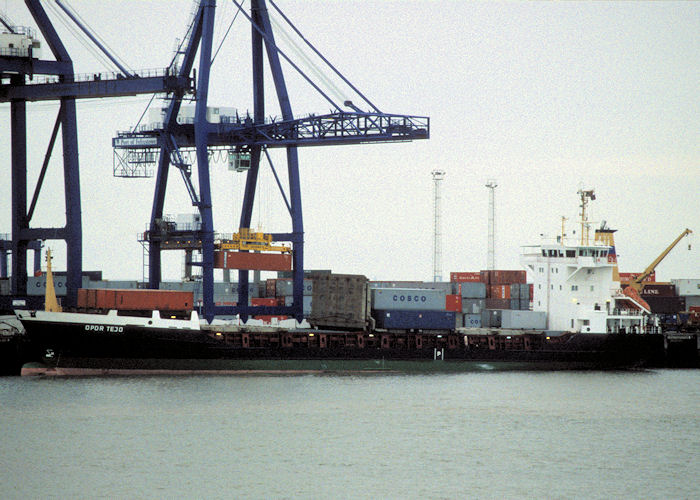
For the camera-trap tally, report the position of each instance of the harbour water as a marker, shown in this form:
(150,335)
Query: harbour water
(600,435)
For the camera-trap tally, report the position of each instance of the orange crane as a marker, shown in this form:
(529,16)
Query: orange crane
(638,282)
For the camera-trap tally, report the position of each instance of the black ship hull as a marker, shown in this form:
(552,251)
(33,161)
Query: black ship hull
(85,344)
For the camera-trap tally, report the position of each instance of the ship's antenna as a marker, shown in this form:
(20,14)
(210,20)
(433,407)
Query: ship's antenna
(438,176)
(585,226)
(491,259)
(563,233)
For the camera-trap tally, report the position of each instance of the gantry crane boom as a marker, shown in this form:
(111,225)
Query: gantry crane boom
(638,282)
(252,135)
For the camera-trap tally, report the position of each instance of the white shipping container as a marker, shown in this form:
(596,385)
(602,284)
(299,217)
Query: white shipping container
(523,320)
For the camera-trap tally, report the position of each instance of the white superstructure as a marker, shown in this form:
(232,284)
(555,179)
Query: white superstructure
(575,283)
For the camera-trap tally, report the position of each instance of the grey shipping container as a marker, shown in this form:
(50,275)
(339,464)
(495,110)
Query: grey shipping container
(284,287)
(472,290)
(472,320)
(524,291)
(308,273)
(289,300)
(525,320)
(36,285)
(473,306)
(515,304)
(687,287)
(515,291)
(408,299)
(446,286)
(340,300)
(491,318)
(524,304)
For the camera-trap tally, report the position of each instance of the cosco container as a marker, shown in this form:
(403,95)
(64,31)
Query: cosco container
(525,320)
(415,320)
(472,320)
(470,290)
(403,299)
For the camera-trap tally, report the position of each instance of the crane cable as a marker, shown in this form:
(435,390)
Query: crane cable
(313,67)
(80,37)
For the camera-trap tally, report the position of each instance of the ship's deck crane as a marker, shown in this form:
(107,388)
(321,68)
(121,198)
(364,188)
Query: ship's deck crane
(251,136)
(638,282)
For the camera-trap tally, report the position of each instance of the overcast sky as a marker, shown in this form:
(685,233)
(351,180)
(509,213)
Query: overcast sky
(544,98)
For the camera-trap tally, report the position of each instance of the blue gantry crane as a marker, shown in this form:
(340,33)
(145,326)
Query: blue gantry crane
(24,78)
(248,136)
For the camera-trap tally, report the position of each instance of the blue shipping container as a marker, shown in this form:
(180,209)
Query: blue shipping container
(424,320)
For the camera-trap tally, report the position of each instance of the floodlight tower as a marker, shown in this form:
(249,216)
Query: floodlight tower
(491,260)
(438,176)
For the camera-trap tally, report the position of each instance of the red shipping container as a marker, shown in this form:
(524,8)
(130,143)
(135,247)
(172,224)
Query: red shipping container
(267,319)
(497,303)
(136,300)
(264,301)
(659,290)
(253,261)
(270,287)
(503,277)
(627,277)
(453,303)
(465,276)
(499,292)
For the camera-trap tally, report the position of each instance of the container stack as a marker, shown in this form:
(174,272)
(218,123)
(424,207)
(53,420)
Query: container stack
(689,291)
(487,294)
(282,291)
(418,306)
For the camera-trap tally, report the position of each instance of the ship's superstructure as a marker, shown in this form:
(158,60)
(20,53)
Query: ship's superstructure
(575,282)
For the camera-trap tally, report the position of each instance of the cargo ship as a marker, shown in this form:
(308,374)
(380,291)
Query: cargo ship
(354,327)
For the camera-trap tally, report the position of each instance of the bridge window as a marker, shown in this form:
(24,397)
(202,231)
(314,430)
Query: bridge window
(571,253)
